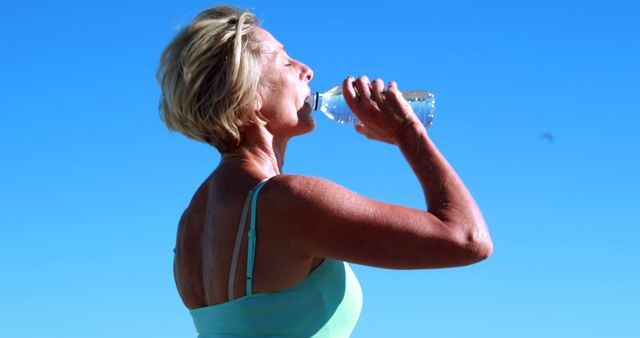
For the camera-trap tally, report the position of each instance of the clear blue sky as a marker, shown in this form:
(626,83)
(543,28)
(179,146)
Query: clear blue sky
(92,185)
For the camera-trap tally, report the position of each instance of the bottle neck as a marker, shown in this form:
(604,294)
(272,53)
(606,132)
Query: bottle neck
(316,101)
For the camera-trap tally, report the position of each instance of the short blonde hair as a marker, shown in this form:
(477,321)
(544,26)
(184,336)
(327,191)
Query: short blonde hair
(209,76)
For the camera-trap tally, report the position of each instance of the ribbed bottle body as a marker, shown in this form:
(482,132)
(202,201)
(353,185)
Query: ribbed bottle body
(333,105)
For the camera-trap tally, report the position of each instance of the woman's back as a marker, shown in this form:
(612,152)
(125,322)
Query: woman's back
(207,233)
(324,303)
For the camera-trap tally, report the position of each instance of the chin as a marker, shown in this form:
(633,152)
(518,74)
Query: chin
(312,124)
(306,122)
(305,125)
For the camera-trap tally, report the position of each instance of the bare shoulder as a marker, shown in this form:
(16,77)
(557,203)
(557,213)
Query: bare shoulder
(320,218)
(302,196)
(301,188)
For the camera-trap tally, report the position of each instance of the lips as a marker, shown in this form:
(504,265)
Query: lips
(306,98)
(307,105)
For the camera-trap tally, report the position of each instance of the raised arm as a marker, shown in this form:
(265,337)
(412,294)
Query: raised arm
(323,219)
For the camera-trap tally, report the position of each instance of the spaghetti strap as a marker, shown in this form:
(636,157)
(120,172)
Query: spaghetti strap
(252,237)
(236,249)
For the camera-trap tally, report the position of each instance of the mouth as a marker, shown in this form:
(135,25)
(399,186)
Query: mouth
(306,101)
(310,100)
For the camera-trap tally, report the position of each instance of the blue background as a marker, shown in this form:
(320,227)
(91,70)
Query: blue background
(92,184)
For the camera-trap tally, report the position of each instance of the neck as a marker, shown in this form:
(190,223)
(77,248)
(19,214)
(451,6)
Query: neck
(260,151)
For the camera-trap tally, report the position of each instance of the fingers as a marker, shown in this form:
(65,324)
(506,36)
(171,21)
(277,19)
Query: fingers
(377,87)
(381,112)
(392,85)
(363,88)
(349,93)
(369,99)
(395,98)
(362,129)
(357,94)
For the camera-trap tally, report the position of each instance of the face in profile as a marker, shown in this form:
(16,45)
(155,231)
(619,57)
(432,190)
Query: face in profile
(283,88)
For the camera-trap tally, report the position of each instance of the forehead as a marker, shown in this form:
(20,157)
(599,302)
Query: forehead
(265,42)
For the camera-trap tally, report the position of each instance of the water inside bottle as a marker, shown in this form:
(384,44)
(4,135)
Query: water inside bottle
(423,103)
(333,105)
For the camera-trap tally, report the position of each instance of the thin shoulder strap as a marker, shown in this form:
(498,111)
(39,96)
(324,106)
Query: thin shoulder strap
(236,249)
(252,238)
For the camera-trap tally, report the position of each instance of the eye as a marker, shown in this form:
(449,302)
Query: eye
(288,65)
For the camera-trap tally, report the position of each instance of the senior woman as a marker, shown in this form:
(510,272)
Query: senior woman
(261,253)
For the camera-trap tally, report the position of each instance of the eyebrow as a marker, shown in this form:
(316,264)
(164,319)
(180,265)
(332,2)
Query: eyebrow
(274,50)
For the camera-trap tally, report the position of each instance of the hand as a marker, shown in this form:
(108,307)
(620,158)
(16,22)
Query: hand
(383,113)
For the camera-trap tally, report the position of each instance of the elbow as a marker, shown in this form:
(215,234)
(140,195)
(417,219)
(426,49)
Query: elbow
(477,245)
(485,250)
(480,247)
(473,253)
(468,242)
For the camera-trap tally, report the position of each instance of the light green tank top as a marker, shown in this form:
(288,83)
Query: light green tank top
(326,303)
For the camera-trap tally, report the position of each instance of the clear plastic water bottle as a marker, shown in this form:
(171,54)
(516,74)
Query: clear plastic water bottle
(332,104)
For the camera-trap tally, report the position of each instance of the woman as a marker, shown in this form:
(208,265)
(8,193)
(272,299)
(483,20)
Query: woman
(276,266)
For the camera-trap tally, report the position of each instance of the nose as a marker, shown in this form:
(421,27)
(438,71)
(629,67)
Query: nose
(307,73)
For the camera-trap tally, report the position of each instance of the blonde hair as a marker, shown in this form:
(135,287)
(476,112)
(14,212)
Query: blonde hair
(209,76)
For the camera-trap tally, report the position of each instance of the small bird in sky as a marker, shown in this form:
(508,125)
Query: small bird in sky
(547,136)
